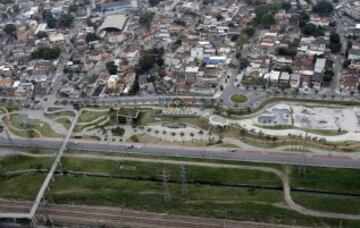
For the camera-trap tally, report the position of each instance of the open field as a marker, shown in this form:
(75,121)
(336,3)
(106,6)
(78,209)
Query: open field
(208,192)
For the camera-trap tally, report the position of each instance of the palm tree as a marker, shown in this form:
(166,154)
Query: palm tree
(182,134)
(164,133)
(173,134)
(201,132)
(192,136)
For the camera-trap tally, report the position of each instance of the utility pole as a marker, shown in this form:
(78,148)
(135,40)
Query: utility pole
(10,141)
(184,186)
(167,194)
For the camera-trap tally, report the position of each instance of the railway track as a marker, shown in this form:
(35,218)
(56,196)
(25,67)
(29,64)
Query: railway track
(90,216)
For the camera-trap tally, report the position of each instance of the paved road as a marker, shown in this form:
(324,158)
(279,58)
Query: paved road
(278,157)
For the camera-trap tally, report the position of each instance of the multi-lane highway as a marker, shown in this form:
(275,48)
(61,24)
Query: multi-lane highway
(267,156)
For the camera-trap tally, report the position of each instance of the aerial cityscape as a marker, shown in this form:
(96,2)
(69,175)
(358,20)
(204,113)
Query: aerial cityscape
(180,113)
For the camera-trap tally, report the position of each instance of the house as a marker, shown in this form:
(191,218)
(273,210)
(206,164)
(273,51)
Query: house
(273,77)
(295,80)
(318,74)
(216,60)
(117,6)
(112,81)
(128,115)
(349,83)
(284,80)
(6,82)
(354,54)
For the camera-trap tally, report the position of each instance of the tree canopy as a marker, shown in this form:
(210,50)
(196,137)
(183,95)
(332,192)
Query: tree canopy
(265,15)
(111,67)
(312,30)
(46,53)
(146,18)
(335,42)
(10,29)
(91,37)
(323,8)
(154,2)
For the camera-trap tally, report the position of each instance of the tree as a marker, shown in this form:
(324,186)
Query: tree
(146,18)
(265,15)
(42,34)
(111,68)
(244,63)
(73,8)
(287,51)
(219,17)
(10,29)
(328,76)
(50,20)
(91,37)
(180,22)
(304,19)
(153,3)
(250,31)
(335,42)
(323,8)
(66,20)
(286,5)
(46,53)
(312,30)
(146,62)
(162,72)
(286,68)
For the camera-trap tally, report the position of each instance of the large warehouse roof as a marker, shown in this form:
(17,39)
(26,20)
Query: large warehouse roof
(113,22)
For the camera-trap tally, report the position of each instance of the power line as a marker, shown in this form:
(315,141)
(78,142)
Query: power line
(167,195)
(184,186)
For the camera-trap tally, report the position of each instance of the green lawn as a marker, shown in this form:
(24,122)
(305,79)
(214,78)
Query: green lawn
(59,114)
(331,203)
(88,116)
(65,122)
(331,179)
(194,174)
(141,188)
(197,121)
(79,128)
(253,81)
(239,98)
(206,201)
(31,124)
(11,163)
(21,187)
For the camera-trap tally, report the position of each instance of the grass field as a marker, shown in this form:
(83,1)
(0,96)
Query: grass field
(140,187)
(65,122)
(207,201)
(11,163)
(194,174)
(331,179)
(88,116)
(43,127)
(239,98)
(338,204)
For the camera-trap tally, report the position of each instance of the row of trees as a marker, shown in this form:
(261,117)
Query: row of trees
(65,21)
(46,53)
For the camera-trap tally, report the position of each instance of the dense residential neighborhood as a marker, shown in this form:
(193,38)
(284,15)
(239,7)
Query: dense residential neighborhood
(180,113)
(187,47)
